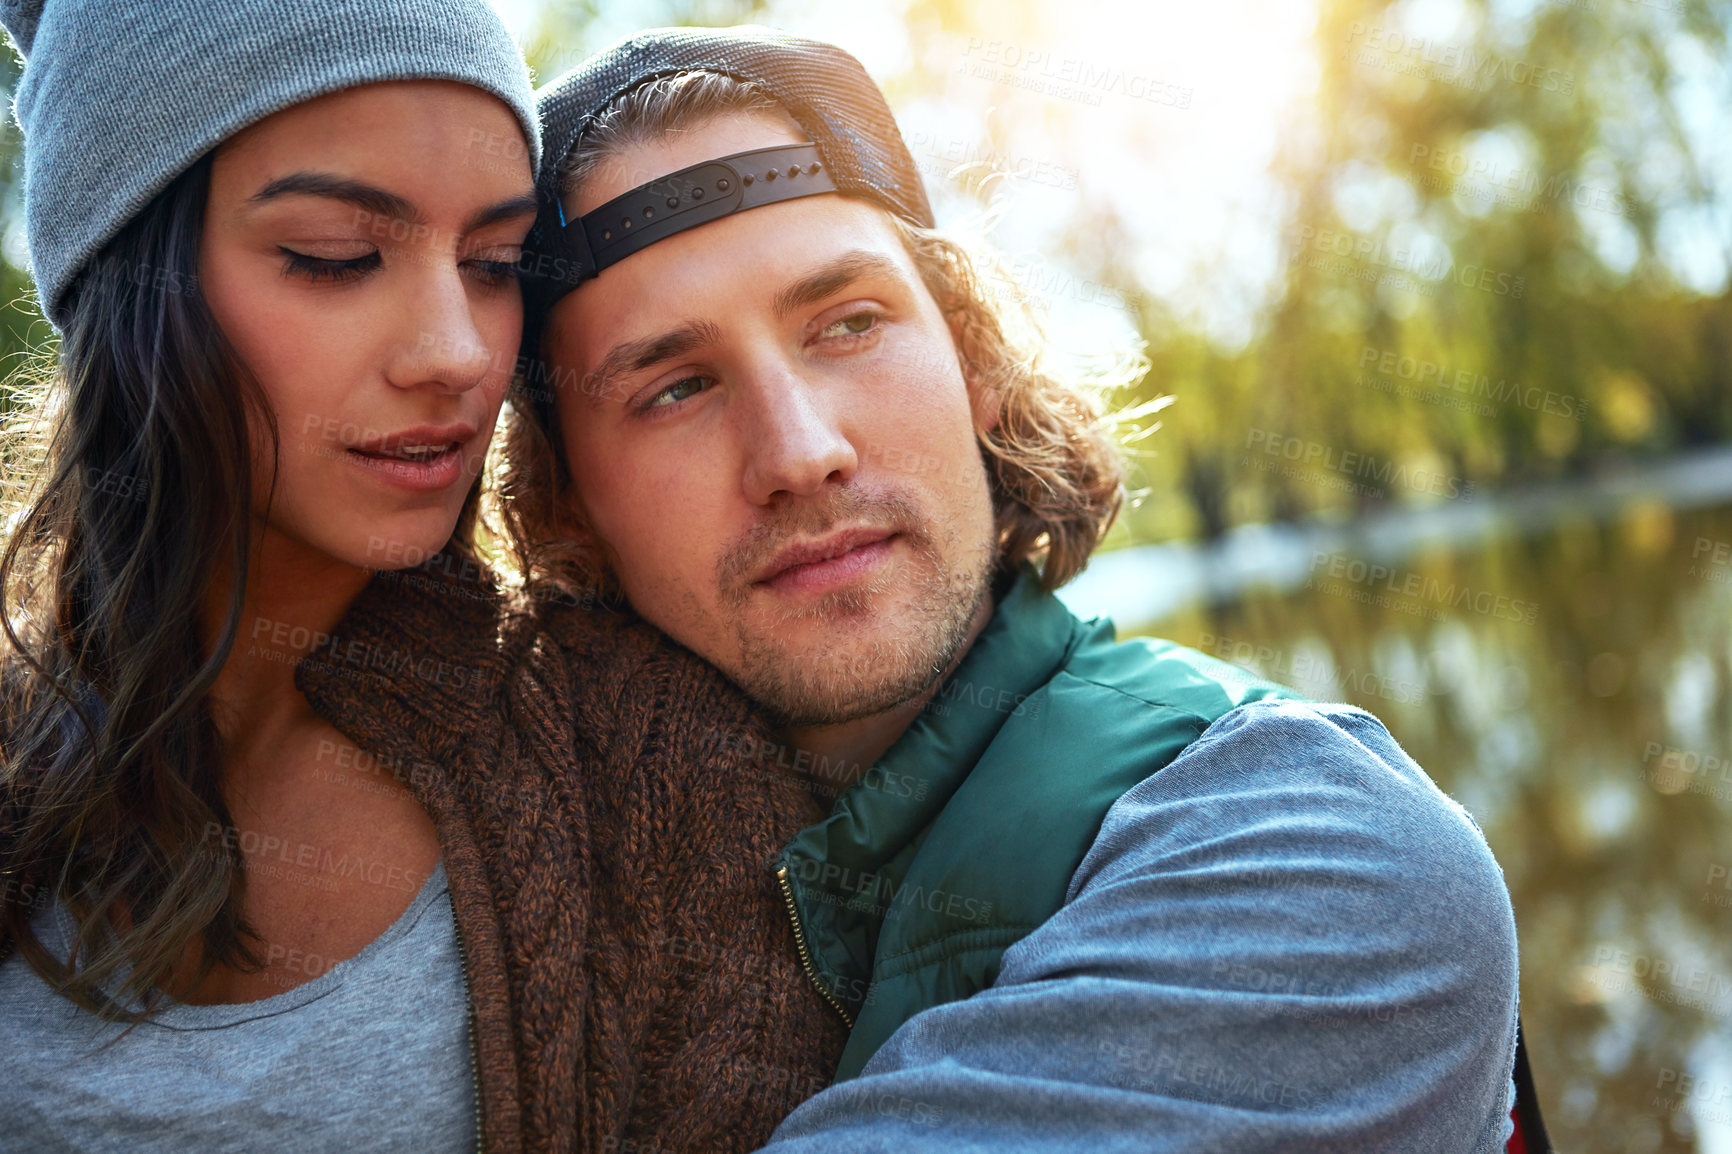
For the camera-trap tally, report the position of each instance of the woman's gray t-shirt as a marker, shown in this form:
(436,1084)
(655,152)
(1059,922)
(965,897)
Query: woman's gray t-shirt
(373,1054)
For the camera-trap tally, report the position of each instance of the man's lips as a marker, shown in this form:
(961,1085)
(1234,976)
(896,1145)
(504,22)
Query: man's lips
(812,565)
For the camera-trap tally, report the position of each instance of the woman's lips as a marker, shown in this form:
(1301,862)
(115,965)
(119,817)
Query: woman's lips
(421,468)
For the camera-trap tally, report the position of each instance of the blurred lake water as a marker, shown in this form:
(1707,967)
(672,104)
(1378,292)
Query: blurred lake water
(1561,663)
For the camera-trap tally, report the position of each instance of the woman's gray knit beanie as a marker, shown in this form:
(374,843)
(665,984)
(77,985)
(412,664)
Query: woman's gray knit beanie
(119,97)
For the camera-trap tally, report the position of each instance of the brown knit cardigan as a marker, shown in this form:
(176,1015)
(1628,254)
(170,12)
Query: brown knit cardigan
(634,980)
(634,983)
(633,974)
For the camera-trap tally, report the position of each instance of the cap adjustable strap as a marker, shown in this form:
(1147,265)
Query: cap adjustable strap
(567,253)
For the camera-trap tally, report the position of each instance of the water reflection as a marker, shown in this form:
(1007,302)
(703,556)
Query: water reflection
(1576,701)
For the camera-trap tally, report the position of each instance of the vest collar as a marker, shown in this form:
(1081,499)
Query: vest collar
(1027,640)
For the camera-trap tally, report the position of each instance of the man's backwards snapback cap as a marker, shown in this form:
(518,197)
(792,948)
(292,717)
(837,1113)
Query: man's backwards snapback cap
(855,147)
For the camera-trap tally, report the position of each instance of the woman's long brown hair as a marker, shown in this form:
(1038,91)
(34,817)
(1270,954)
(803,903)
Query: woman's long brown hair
(129,507)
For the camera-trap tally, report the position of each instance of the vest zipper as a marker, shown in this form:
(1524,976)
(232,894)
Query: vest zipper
(800,941)
(469,1006)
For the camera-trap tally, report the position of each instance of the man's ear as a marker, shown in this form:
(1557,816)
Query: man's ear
(592,558)
(984,385)
(983,378)
(984,401)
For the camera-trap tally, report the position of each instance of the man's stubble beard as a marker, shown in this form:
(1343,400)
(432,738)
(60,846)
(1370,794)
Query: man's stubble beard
(839,681)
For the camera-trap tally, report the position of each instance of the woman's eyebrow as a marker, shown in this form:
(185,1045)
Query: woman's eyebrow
(382,204)
(363,196)
(509,209)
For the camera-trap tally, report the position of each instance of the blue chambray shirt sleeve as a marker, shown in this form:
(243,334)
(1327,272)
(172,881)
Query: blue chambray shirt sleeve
(1287,940)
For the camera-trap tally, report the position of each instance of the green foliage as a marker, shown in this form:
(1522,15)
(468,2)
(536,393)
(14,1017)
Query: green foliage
(568,32)
(1497,216)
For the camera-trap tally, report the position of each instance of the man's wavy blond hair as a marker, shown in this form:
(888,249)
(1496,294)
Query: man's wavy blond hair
(1052,461)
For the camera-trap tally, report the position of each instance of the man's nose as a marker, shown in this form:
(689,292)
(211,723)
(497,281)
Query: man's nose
(795,442)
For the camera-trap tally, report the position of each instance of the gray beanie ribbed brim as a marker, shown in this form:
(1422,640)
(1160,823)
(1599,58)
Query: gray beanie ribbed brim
(117,99)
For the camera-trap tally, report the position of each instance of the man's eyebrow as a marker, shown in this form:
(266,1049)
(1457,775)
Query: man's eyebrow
(363,196)
(831,278)
(647,352)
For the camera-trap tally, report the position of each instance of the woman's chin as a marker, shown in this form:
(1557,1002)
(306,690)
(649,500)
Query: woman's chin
(373,546)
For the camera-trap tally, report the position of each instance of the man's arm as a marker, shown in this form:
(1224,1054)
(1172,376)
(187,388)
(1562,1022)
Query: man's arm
(1288,939)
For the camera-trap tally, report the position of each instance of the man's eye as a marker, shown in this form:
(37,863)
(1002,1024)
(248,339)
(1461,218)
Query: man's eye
(320,269)
(676,392)
(851,326)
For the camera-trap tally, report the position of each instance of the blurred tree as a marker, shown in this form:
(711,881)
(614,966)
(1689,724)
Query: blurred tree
(568,31)
(1502,263)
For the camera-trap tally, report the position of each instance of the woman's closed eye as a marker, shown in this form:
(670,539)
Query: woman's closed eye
(495,268)
(328,269)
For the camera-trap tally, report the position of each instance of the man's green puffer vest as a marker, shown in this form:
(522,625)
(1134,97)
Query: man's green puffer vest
(964,836)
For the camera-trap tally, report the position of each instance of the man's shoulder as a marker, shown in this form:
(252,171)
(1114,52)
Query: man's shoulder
(1163,674)
(1192,742)
(1292,897)
(1330,754)
(1109,715)
(1250,736)
(1285,789)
